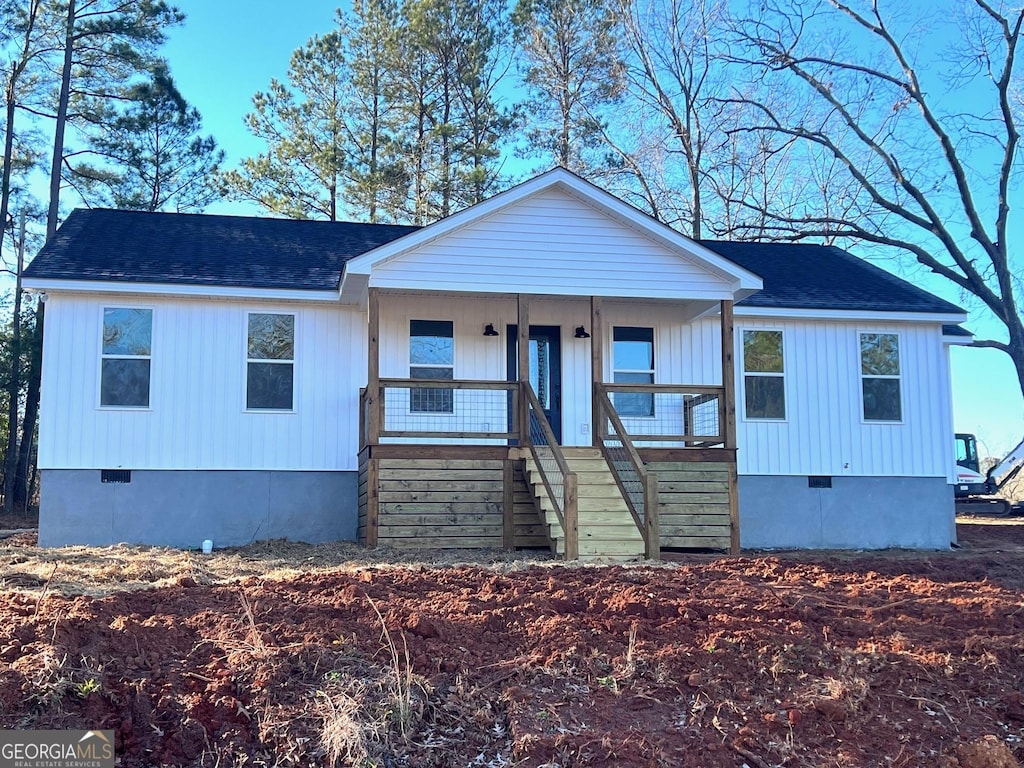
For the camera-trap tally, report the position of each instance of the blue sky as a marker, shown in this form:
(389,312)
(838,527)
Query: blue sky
(229,49)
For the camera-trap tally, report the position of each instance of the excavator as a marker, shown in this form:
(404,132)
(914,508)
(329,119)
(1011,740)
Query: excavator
(974,492)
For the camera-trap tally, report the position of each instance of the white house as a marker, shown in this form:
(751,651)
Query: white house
(551,367)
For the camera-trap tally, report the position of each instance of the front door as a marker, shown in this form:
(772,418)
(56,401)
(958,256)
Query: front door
(545,369)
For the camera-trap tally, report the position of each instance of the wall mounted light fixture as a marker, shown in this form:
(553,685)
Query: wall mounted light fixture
(489,330)
(581,332)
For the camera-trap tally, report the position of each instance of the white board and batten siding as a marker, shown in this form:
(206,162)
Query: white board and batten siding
(824,432)
(486,357)
(197,417)
(684,352)
(551,243)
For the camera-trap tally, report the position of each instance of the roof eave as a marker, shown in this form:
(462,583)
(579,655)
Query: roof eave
(57,285)
(870,315)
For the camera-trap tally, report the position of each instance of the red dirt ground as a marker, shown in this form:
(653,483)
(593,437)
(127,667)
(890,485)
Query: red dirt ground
(896,659)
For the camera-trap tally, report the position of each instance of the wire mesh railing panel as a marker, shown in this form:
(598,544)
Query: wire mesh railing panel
(462,410)
(682,414)
(629,479)
(541,441)
(552,473)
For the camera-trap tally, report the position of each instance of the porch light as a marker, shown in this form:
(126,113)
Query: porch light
(489,330)
(581,332)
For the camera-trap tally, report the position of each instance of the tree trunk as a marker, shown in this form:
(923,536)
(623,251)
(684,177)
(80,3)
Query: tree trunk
(53,211)
(28,429)
(14,385)
(5,199)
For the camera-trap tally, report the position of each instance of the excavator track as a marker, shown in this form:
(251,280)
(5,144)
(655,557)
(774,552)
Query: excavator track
(991,507)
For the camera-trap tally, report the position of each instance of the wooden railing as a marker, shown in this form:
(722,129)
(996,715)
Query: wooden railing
(465,410)
(560,483)
(639,487)
(687,414)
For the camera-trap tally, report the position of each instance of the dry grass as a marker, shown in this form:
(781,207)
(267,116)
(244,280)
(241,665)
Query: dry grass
(362,717)
(99,571)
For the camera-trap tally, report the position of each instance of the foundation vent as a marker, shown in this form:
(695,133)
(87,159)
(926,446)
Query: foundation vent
(819,481)
(115,475)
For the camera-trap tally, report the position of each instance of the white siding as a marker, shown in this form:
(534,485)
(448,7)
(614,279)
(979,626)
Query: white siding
(551,243)
(197,417)
(684,353)
(483,357)
(824,432)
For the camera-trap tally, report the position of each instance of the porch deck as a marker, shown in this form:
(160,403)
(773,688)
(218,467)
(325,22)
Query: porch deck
(453,463)
(515,487)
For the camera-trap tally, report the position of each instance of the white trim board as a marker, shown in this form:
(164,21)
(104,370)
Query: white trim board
(173,289)
(850,314)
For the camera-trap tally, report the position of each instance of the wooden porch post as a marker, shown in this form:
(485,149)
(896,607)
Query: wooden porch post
(729,427)
(373,367)
(596,368)
(523,363)
(508,508)
(652,521)
(571,515)
(373,423)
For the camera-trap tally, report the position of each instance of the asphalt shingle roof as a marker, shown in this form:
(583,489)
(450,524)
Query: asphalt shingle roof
(198,249)
(809,276)
(235,251)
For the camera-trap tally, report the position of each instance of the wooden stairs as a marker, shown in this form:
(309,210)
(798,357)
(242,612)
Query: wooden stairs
(607,530)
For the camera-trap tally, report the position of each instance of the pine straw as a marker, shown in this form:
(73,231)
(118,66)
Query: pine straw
(98,571)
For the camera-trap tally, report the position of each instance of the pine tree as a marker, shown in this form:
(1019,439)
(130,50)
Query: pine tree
(484,125)
(152,154)
(572,71)
(455,54)
(303,122)
(379,182)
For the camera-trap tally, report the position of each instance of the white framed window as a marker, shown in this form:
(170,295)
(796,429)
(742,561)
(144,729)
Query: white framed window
(270,362)
(431,356)
(126,357)
(633,363)
(880,377)
(764,375)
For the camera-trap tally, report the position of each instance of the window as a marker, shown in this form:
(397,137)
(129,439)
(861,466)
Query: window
(633,363)
(431,356)
(764,386)
(270,362)
(126,357)
(880,376)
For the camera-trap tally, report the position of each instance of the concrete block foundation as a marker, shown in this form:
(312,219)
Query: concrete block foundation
(182,508)
(783,512)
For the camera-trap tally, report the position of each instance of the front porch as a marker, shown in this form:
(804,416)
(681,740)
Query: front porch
(465,462)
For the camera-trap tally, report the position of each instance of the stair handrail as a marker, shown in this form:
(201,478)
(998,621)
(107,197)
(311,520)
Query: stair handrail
(566,510)
(646,519)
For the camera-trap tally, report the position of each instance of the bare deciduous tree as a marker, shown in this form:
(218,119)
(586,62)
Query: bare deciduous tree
(929,138)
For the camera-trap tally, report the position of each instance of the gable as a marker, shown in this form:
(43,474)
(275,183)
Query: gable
(554,242)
